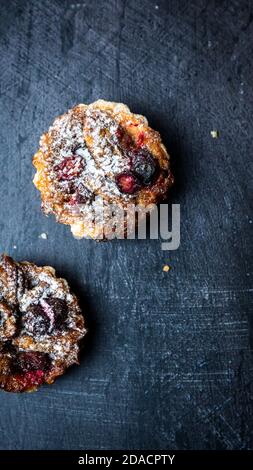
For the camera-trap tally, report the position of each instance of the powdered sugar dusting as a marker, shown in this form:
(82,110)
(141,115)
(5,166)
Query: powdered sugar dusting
(91,135)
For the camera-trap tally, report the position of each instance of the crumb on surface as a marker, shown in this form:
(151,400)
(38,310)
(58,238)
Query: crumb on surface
(166,268)
(14,247)
(156,7)
(215,134)
(44,236)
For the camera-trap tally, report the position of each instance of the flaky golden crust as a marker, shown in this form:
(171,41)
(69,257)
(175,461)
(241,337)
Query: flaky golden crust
(41,326)
(82,156)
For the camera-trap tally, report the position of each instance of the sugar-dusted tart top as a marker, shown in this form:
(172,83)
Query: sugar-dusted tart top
(104,150)
(41,326)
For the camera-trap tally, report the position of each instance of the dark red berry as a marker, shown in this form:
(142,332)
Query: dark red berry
(70,168)
(127,183)
(56,310)
(35,377)
(31,361)
(144,166)
(29,380)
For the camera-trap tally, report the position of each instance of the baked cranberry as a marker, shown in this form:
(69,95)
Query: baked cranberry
(36,321)
(69,168)
(43,318)
(28,380)
(35,377)
(56,310)
(31,361)
(127,183)
(144,166)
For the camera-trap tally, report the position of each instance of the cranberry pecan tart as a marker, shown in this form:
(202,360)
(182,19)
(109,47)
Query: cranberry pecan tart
(41,326)
(99,150)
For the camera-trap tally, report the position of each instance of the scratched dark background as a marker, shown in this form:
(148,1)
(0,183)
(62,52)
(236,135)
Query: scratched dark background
(168,362)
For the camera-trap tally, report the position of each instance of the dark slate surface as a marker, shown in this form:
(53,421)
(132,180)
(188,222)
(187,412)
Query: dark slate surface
(168,363)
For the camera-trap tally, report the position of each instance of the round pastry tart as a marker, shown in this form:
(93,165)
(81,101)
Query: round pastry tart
(41,326)
(104,151)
